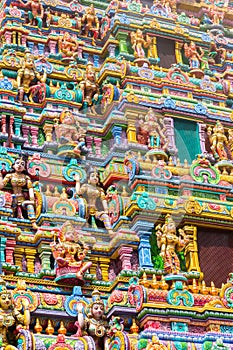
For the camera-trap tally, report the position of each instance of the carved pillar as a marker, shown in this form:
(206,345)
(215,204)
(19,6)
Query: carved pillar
(11,130)
(2,249)
(80,51)
(117,131)
(18,255)
(122,37)
(94,261)
(125,255)
(41,49)
(19,38)
(52,46)
(97,142)
(18,122)
(25,131)
(152,52)
(202,132)
(34,133)
(178,48)
(24,40)
(48,129)
(89,140)
(104,265)
(143,230)
(3,123)
(191,250)
(131,130)
(111,50)
(30,257)
(8,36)
(14,38)
(170,133)
(10,247)
(45,254)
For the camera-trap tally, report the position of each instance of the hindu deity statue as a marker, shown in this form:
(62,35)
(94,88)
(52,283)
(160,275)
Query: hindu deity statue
(35,12)
(152,131)
(96,202)
(139,43)
(70,132)
(170,243)
(93,320)
(19,180)
(194,55)
(90,88)
(10,318)
(68,45)
(69,252)
(155,344)
(218,141)
(91,24)
(25,77)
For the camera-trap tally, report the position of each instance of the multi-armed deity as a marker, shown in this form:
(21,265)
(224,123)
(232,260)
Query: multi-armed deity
(35,12)
(152,131)
(93,321)
(68,45)
(170,244)
(69,253)
(11,319)
(91,24)
(25,78)
(90,88)
(19,180)
(96,202)
(69,132)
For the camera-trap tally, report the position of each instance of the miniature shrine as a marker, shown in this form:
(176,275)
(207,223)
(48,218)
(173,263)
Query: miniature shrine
(116,174)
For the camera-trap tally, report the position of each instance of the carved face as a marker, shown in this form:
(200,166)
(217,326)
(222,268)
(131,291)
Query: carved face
(69,235)
(68,118)
(91,74)
(97,311)
(5,300)
(19,165)
(94,178)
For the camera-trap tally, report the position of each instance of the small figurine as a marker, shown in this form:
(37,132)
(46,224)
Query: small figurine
(70,252)
(19,180)
(11,319)
(35,13)
(91,24)
(138,43)
(97,208)
(191,52)
(70,131)
(68,45)
(94,320)
(26,76)
(90,88)
(170,243)
(218,141)
(155,344)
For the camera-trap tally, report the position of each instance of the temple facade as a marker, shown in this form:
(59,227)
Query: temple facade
(116,173)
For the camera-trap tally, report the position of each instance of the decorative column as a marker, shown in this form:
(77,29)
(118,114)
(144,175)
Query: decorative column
(24,40)
(40,48)
(45,254)
(96,61)
(30,257)
(48,129)
(94,261)
(18,255)
(122,37)
(97,142)
(104,265)
(125,254)
(3,123)
(131,116)
(170,133)
(8,35)
(178,48)
(52,46)
(143,230)
(117,131)
(191,249)
(202,132)
(18,122)
(89,140)
(111,50)
(2,249)
(34,133)
(25,130)
(10,247)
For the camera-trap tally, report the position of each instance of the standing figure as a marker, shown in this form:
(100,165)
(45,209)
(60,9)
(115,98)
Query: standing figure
(20,180)
(97,207)
(25,77)
(70,252)
(94,320)
(35,13)
(91,24)
(194,57)
(218,141)
(70,131)
(11,318)
(139,43)
(90,88)
(170,243)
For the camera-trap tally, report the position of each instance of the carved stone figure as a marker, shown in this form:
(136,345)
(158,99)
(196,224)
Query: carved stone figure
(93,320)
(218,141)
(139,43)
(170,243)
(35,12)
(90,88)
(70,252)
(194,57)
(25,77)
(19,180)
(91,24)
(155,344)
(97,208)
(68,45)
(10,318)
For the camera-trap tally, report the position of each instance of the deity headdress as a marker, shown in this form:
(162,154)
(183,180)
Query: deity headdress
(2,286)
(63,114)
(95,300)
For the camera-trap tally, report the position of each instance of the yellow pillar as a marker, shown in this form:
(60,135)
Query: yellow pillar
(104,265)
(178,48)
(191,250)
(94,261)
(30,258)
(48,129)
(18,255)
(131,117)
